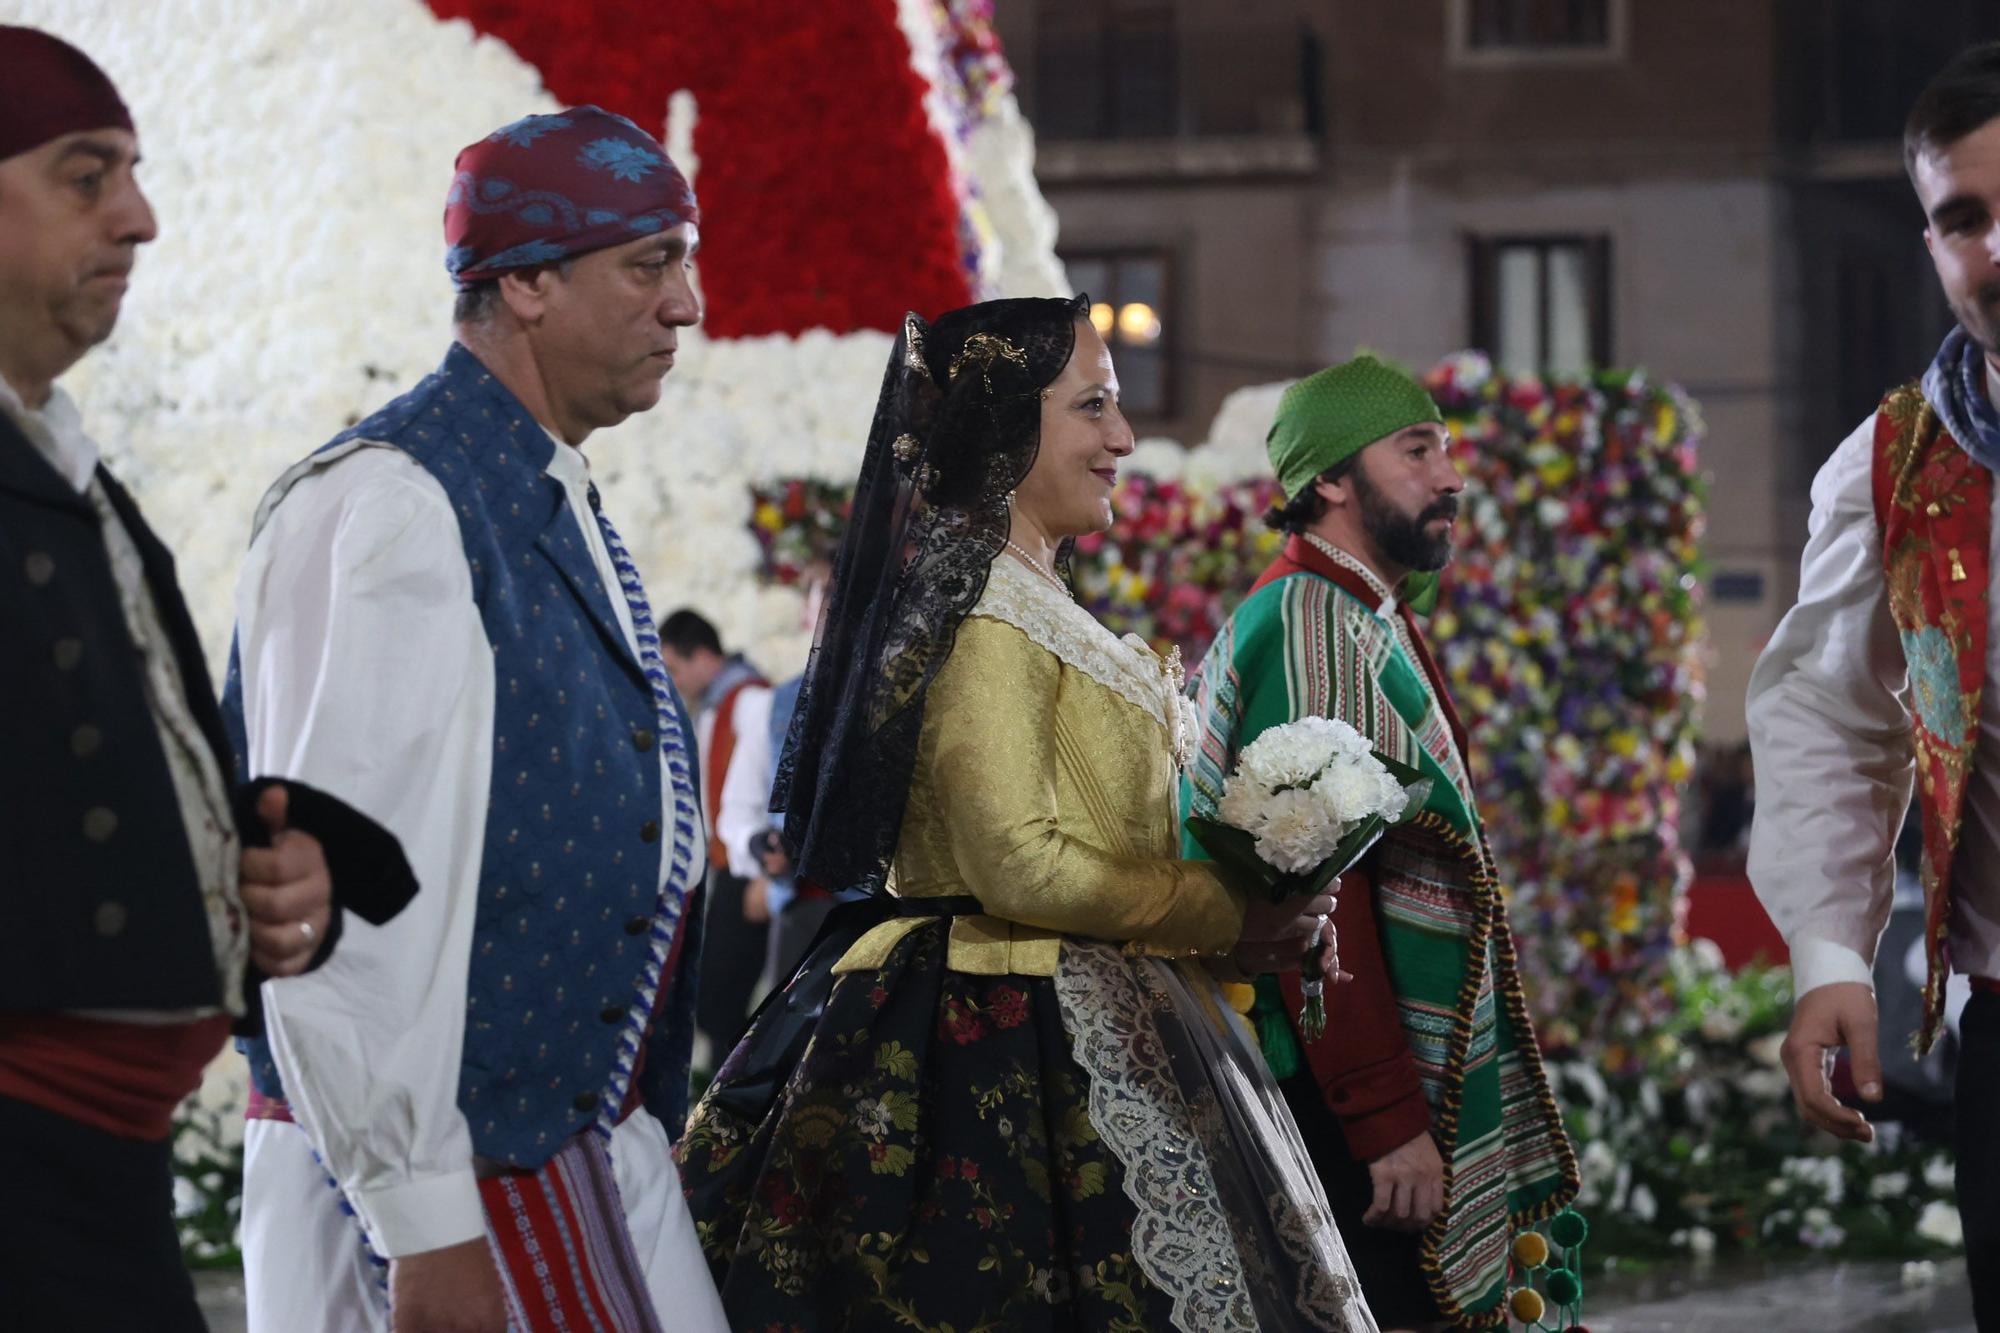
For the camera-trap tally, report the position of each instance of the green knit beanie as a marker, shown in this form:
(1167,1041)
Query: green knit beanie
(1334,414)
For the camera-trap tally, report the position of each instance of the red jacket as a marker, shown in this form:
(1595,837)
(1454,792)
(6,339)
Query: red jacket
(1363,1064)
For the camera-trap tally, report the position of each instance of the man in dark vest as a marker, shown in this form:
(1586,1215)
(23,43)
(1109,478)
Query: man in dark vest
(1881,681)
(437,613)
(732,721)
(144,898)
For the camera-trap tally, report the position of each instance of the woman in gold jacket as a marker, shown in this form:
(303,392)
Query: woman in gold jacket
(1006,1090)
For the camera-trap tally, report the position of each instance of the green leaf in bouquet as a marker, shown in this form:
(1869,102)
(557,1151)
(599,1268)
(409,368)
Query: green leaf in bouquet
(1415,785)
(1342,859)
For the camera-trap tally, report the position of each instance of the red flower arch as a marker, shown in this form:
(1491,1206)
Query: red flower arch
(826,198)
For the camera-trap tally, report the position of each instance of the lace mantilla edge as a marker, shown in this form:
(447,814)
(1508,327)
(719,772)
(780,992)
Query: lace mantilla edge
(1180,1235)
(1126,667)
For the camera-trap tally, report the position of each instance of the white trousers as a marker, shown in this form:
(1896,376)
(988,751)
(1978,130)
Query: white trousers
(306,1269)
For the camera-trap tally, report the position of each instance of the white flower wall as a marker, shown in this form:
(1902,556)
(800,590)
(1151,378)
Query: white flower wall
(297,155)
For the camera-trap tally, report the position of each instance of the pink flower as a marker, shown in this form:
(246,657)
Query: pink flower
(1007,1007)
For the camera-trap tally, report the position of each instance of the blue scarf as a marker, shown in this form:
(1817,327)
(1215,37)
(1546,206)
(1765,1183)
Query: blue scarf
(1955,387)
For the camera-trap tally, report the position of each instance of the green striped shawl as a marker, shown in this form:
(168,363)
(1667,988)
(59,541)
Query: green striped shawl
(1303,646)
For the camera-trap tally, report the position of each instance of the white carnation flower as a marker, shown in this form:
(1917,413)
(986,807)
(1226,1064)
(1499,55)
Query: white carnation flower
(1825,1174)
(1721,1022)
(1889,1185)
(1818,1230)
(1296,835)
(1295,753)
(1348,790)
(1598,1163)
(1356,787)
(1242,804)
(1283,757)
(1940,1223)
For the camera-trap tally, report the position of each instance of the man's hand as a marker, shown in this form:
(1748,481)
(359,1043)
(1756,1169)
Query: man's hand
(452,1290)
(1276,936)
(287,892)
(1825,1019)
(1409,1186)
(772,854)
(757,902)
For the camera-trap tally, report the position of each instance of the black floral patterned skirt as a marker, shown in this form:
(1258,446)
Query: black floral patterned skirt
(928,1164)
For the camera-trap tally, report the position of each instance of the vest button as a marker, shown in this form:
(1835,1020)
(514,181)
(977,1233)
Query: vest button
(99,824)
(68,652)
(649,831)
(642,739)
(40,567)
(110,919)
(585,1101)
(85,741)
(637,925)
(612,1013)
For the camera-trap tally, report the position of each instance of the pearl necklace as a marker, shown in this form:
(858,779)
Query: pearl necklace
(1038,567)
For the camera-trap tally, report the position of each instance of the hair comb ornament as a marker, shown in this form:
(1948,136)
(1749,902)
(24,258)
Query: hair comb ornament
(914,330)
(983,350)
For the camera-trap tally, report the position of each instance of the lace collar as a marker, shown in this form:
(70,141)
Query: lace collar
(1127,666)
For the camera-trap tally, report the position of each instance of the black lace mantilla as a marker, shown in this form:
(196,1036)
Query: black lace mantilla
(956,428)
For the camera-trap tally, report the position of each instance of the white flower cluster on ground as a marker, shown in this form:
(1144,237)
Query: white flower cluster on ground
(1302,787)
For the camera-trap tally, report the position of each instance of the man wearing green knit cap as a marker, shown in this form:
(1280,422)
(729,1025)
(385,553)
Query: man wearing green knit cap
(1428,1071)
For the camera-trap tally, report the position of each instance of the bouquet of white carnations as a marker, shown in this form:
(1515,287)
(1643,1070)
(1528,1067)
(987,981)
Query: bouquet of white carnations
(1307,801)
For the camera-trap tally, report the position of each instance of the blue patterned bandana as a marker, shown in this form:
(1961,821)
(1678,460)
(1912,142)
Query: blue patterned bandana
(549,188)
(1955,387)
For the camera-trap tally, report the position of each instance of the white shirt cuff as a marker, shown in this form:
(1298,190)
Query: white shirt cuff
(428,1213)
(1817,962)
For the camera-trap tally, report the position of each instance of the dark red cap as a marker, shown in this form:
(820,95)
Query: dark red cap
(49,89)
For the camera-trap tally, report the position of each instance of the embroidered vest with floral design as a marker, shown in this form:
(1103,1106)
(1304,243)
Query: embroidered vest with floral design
(1934,505)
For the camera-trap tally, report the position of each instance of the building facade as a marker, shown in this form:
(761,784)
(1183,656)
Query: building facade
(1711,189)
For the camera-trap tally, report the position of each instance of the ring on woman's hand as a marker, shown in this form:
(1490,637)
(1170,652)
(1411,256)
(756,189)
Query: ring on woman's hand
(306,929)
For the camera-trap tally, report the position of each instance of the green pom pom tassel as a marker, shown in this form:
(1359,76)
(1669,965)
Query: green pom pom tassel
(1568,1229)
(1564,1287)
(1274,1029)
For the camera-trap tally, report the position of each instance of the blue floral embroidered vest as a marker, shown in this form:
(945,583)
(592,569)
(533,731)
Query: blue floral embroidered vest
(1934,506)
(569,881)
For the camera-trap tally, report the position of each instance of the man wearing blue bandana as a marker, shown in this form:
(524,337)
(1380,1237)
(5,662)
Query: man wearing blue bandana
(1883,679)
(463,1122)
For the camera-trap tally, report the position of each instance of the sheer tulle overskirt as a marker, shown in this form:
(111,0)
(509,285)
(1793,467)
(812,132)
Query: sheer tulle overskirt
(1231,1221)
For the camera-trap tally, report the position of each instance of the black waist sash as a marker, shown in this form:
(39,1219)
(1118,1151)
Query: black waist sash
(749,1080)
